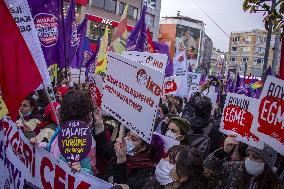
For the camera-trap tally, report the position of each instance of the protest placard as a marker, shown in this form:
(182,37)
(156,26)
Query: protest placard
(21,13)
(238,118)
(269,124)
(154,60)
(131,94)
(23,164)
(180,69)
(171,84)
(74,140)
(3,108)
(193,80)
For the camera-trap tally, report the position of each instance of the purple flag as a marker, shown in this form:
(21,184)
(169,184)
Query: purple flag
(91,64)
(137,40)
(77,61)
(48,20)
(164,49)
(72,38)
(87,50)
(240,85)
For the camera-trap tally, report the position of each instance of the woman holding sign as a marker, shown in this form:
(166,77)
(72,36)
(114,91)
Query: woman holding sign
(72,141)
(254,172)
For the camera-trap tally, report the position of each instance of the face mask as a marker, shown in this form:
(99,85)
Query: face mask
(171,134)
(129,146)
(162,172)
(254,168)
(26,114)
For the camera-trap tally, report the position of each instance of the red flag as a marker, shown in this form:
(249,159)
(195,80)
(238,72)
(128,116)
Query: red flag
(151,47)
(281,69)
(19,75)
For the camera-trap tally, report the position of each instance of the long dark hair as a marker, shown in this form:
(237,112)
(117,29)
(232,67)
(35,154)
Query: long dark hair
(76,105)
(33,104)
(185,141)
(267,179)
(189,163)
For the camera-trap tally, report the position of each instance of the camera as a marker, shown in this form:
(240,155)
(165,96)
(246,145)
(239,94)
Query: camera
(214,81)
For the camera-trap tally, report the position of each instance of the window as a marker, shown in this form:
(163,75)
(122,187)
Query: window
(245,59)
(108,5)
(233,59)
(236,38)
(132,11)
(98,29)
(260,61)
(234,48)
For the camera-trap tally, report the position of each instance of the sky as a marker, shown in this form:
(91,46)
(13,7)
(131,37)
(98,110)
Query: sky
(228,14)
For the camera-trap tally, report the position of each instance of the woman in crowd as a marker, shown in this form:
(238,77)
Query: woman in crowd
(76,105)
(254,172)
(178,129)
(29,117)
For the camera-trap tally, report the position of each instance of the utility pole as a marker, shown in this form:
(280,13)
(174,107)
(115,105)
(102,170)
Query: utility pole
(275,59)
(268,39)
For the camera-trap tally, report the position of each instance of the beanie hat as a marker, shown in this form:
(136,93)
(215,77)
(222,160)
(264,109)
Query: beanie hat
(267,154)
(183,124)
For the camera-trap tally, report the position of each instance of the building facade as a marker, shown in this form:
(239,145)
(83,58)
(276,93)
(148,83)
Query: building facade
(101,13)
(183,33)
(246,49)
(218,63)
(207,53)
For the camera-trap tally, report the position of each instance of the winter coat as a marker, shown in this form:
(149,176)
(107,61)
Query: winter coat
(232,174)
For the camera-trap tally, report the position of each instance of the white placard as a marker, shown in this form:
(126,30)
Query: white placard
(180,69)
(171,84)
(269,124)
(193,80)
(238,118)
(22,163)
(21,13)
(131,94)
(156,61)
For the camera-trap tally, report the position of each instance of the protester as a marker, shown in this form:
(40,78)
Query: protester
(76,105)
(177,129)
(181,169)
(29,117)
(254,172)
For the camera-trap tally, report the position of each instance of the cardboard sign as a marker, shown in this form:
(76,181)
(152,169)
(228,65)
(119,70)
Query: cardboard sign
(23,164)
(21,13)
(75,140)
(171,84)
(238,118)
(131,94)
(156,61)
(269,124)
(3,108)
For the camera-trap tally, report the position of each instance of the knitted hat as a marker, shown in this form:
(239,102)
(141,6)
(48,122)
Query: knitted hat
(183,124)
(267,154)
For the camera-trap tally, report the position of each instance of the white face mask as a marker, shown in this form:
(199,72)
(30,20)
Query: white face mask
(130,147)
(162,172)
(254,168)
(170,134)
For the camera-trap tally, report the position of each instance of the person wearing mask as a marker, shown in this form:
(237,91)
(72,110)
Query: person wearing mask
(135,160)
(182,169)
(178,129)
(254,172)
(29,117)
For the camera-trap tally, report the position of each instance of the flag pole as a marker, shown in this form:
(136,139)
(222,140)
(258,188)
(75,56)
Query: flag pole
(66,61)
(49,100)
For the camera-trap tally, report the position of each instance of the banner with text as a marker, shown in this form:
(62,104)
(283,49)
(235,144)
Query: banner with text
(171,85)
(25,166)
(269,125)
(131,94)
(21,13)
(153,60)
(238,118)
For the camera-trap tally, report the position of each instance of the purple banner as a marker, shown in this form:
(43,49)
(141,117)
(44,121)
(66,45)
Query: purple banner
(137,40)
(164,49)
(48,20)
